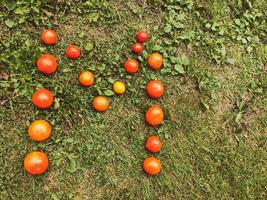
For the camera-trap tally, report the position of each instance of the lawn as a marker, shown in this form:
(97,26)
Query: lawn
(215,102)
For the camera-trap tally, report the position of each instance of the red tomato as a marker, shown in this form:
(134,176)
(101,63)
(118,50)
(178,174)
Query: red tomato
(49,37)
(137,48)
(131,66)
(152,165)
(42,98)
(73,52)
(47,64)
(142,36)
(154,116)
(153,144)
(36,162)
(155,89)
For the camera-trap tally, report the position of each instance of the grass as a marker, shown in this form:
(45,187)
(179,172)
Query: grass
(214,133)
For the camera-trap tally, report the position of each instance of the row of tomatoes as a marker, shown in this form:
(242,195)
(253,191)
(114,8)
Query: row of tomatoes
(40,130)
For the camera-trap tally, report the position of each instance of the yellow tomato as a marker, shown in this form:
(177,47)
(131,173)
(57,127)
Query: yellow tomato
(119,87)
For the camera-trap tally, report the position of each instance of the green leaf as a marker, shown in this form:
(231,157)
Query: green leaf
(156,47)
(81,34)
(9,23)
(208,25)
(184,60)
(168,28)
(89,46)
(179,68)
(72,165)
(21,10)
(109,93)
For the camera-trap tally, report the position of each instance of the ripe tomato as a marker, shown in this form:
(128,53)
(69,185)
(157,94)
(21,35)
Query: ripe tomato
(131,66)
(152,165)
(87,78)
(42,98)
(137,48)
(39,130)
(49,37)
(142,36)
(101,103)
(36,162)
(73,52)
(47,64)
(119,87)
(153,144)
(155,61)
(155,89)
(154,115)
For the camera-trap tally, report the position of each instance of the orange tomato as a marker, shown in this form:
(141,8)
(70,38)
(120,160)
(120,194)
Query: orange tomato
(154,115)
(153,144)
(73,52)
(39,130)
(152,165)
(47,64)
(87,78)
(42,98)
(131,66)
(36,162)
(155,89)
(49,37)
(155,61)
(119,87)
(101,103)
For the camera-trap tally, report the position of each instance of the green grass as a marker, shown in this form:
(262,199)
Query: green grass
(215,75)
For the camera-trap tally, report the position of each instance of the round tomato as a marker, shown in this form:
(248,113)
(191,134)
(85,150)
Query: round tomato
(137,48)
(87,78)
(152,165)
(142,36)
(101,103)
(131,66)
(153,144)
(49,37)
(73,52)
(155,89)
(155,61)
(119,87)
(154,116)
(42,98)
(39,130)
(36,162)
(47,64)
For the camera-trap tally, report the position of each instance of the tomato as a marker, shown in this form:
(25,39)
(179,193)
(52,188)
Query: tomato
(131,66)
(154,116)
(119,87)
(49,37)
(153,144)
(87,78)
(155,61)
(152,165)
(142,36)
(101,103)
(137,48)
(36,162)
(155,89)
(73,52)
(39,130)
(47,64)
(42,98)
